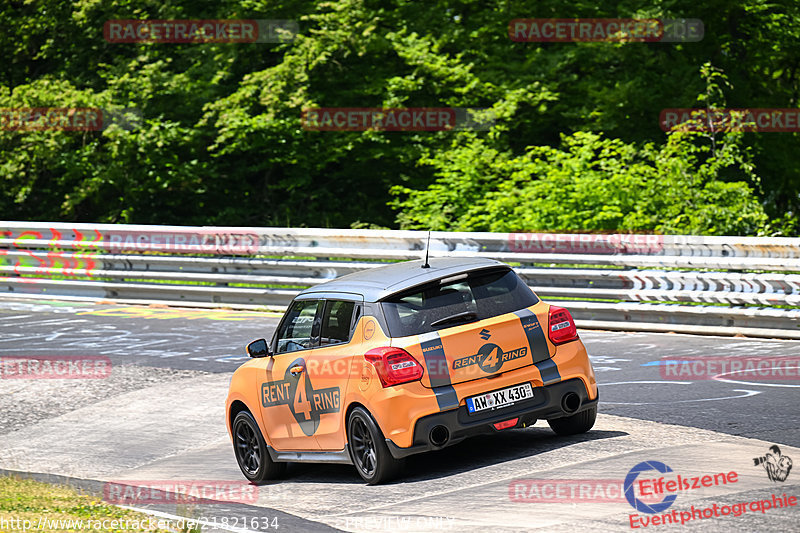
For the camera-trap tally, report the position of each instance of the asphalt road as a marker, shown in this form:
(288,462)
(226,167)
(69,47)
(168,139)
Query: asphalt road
(628,365)
(158,416)
(179,338)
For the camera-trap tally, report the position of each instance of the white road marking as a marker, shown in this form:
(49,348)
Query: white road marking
(752,384)
(646,382)
(747,394)
(605,368)
(608,359)
(15,317)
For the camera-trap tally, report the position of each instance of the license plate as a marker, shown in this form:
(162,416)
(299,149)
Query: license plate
(499,398)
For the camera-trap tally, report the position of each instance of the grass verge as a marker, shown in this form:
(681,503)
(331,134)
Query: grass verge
(32,506)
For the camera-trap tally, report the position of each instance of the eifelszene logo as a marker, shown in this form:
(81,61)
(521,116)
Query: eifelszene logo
(669,485)
(630,495)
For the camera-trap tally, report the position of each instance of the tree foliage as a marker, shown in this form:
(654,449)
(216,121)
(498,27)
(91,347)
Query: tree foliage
(588,184)
(576,144)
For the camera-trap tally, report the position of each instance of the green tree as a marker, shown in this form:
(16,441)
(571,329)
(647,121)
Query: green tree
(589,184)
(220,141)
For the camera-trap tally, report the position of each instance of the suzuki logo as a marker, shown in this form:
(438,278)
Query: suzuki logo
(484,333)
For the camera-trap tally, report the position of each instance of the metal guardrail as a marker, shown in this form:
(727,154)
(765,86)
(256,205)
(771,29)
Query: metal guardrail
(623,282)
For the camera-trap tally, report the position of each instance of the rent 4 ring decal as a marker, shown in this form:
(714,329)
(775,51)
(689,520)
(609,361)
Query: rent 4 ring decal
(304,401)
(490,357)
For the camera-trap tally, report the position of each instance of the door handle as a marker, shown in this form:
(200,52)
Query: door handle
(296,369)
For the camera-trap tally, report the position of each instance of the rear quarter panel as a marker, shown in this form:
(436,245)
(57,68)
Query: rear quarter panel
(365,388)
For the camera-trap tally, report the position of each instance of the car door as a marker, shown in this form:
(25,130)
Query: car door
(284,393)
(328,370)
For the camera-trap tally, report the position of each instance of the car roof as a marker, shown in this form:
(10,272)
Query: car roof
(375,284)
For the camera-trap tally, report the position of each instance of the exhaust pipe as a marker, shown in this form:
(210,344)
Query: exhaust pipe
(439,436)
(570,402)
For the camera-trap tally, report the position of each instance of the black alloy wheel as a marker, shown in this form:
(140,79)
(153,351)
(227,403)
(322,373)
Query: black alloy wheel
(368,449)
(251,450)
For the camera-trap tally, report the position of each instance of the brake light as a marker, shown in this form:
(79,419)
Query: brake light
(561,326)
(394,365)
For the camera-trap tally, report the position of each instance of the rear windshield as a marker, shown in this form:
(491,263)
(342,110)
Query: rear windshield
(456,300)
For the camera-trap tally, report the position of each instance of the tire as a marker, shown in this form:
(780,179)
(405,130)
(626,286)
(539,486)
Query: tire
(251,450)
(371,457)
(577,423)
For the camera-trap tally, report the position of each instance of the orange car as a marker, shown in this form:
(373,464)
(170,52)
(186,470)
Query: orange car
(400,359)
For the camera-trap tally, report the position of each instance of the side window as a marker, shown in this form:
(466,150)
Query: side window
(336,321)
(296,332)
(356,316)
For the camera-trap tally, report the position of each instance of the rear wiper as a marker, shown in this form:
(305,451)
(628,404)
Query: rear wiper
(466,316)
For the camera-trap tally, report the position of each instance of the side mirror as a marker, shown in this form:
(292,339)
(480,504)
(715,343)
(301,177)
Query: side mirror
(258,348)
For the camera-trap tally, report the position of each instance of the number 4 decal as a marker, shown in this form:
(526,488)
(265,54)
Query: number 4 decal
(302,406)
(298,394)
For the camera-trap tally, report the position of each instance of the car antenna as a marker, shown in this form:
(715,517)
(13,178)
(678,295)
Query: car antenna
(427,249)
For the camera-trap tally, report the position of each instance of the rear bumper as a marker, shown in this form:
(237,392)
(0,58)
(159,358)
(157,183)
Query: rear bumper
(545,404)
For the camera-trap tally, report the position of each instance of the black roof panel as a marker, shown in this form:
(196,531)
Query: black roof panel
(375,284)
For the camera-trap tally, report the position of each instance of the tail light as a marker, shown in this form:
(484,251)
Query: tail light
(394,365)
(561,326)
